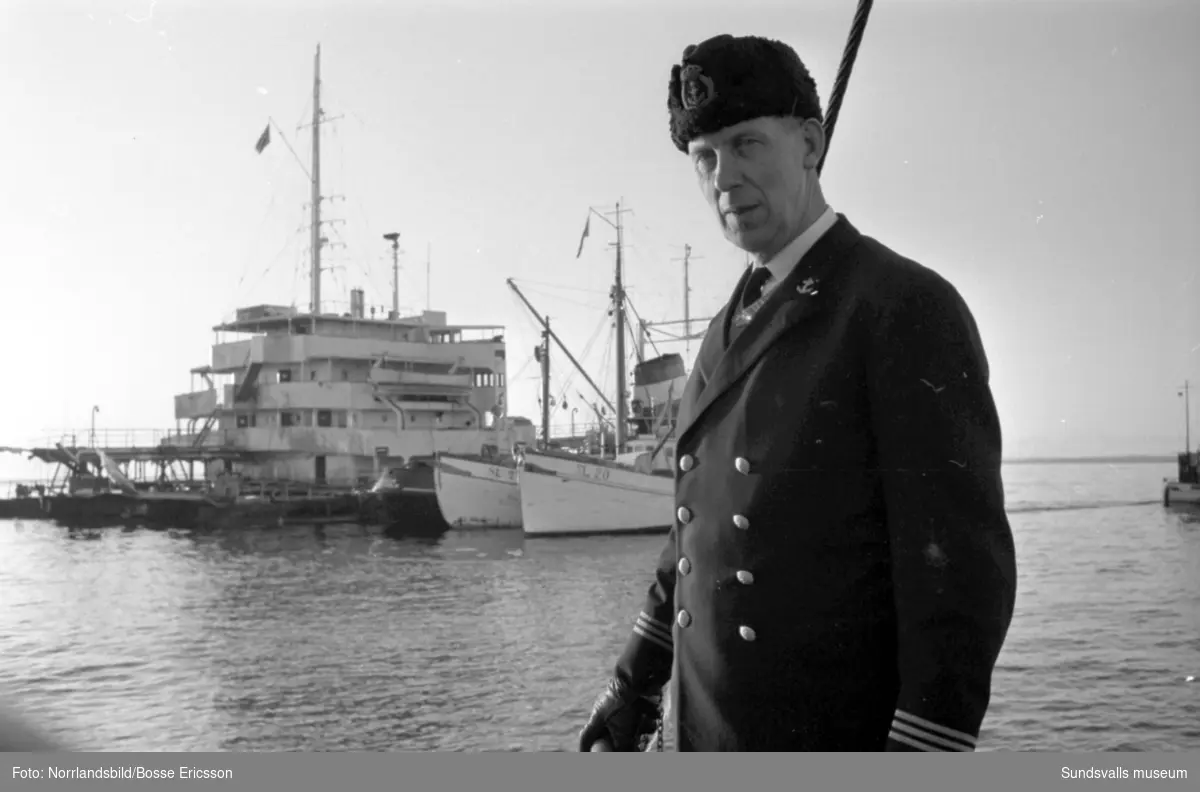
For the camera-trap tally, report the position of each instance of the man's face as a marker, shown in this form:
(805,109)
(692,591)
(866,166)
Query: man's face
(759,177)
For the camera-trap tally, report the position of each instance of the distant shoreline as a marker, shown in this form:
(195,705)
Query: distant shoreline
(1127,459)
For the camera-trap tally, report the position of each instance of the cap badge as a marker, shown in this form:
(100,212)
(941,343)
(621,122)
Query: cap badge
(696,89)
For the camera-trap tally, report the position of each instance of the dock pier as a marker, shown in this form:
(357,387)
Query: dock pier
(162,484)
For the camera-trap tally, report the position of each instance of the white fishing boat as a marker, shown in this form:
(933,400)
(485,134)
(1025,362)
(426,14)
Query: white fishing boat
(551,491)
(480,491)
(563,494)
(566,493)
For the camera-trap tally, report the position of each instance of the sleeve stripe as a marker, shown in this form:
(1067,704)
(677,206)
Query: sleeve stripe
(929,737)
(929,730)
(650,629)
(657,628)
(653,638)
(650,620)
(923,740)
(912,743)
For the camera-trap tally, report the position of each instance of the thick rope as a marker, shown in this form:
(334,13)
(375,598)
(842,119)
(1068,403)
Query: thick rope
(857,28)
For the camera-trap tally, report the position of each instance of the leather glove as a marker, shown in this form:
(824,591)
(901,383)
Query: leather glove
(622,717)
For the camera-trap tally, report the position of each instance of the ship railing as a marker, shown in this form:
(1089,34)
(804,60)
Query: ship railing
(105,438)
(287,489)
(28,488)
(373,313)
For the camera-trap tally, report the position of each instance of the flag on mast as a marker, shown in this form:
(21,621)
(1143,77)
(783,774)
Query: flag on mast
(263,139)
(586,230)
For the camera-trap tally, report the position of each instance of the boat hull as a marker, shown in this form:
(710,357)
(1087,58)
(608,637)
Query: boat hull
(26,508)
(410,505)
(472,493)
(576,496)
(174,510)
(1179,493)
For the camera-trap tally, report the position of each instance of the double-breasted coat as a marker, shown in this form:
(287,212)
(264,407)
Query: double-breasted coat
(841,573)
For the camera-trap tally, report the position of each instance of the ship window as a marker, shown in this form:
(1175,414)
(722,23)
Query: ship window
(243,421)
(285,375)
(287,419)
(341,419)
(324,418)
(312,375)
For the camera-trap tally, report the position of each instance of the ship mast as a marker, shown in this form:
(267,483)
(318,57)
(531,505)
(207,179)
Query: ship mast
(687,291)
(545,361)
(316,186)
(619,317)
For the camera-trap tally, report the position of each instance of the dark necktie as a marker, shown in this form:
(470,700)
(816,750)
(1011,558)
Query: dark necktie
(754,286)
(753,291)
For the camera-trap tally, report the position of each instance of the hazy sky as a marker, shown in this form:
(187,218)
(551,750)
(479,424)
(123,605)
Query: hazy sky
(1042,156)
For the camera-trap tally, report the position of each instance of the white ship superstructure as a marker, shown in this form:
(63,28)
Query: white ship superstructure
(335,399)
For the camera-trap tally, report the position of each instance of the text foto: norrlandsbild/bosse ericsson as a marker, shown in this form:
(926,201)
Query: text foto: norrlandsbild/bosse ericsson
(121,773)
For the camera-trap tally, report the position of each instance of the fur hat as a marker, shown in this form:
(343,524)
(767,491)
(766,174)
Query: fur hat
(727,80)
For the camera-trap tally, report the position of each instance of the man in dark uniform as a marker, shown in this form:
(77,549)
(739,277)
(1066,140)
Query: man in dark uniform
(841,574)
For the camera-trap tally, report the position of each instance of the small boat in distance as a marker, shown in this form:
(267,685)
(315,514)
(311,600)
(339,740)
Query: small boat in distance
(1186,487)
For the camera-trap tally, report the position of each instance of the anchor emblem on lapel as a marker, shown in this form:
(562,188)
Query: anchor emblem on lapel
(718,371)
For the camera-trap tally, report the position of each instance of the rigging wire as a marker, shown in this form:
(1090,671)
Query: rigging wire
(370,273)
(275,259)
(523,281)
(257,232)
(595,306)
(641,321)
(584,356)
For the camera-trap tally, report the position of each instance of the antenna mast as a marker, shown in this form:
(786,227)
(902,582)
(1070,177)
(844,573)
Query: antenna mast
(394,238)
(428,258)
(1187,419)
(316,185)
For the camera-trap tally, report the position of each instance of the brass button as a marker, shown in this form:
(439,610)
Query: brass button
(747,633)
(684,619)
(684,514)
(741,522)
(685,462)
(742,464)
(685,566)
(744,577)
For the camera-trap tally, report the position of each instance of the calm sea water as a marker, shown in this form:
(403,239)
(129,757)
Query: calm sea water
(342,637)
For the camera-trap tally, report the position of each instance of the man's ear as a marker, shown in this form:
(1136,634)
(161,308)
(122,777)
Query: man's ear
(813,133)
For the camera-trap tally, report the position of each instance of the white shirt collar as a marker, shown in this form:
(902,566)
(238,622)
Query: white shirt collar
(785,260)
